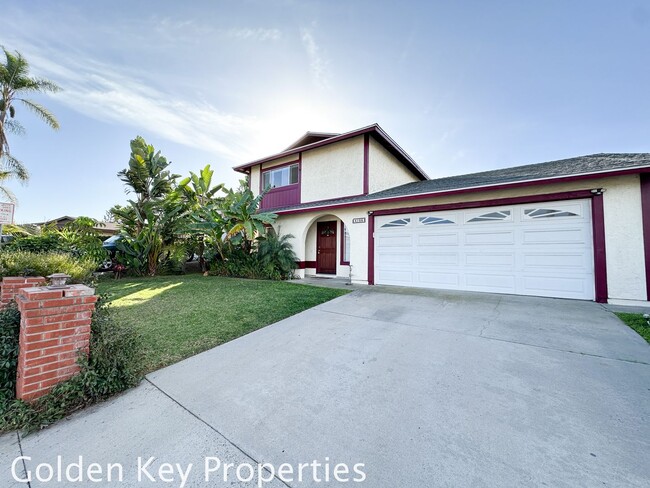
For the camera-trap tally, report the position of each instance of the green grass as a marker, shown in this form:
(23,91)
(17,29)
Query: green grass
(636,322)
(179,316)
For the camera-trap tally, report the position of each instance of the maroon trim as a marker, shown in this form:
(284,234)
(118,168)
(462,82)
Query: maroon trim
(306,264)
(366,164)
(598,225)
(381,135)
(495,202)
(271,168)
(503,186)
(283,195)
(345,263)
(645,216)
(600,256)
(371,248)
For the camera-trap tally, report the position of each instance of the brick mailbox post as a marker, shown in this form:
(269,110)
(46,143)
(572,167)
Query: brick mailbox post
(54,327)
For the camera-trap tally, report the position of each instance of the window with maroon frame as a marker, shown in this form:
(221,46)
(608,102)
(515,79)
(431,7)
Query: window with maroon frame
(279,177)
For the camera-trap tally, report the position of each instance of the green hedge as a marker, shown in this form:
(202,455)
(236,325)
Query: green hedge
(25,263)
(9,332)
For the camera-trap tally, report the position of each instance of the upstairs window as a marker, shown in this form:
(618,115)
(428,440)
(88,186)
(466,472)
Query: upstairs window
(279,177)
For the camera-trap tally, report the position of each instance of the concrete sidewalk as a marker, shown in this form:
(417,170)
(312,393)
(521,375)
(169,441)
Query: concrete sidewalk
(424,388)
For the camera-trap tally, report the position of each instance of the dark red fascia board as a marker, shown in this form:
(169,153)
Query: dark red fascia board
(600,255)
(380,134)
(477,189)
(645,216)
(495,202)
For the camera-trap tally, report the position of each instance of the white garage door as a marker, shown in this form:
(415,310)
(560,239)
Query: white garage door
(542,249)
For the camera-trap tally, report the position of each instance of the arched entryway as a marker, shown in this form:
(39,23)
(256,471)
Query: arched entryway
(327,247)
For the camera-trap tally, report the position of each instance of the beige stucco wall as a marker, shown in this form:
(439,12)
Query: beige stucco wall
(332,171)
(623,224)
(255,180)
(624,239)
(385,170)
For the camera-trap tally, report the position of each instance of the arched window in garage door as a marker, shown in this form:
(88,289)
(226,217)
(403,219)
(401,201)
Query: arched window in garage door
(398,222)
(544,213)
(428,220)
(492,216)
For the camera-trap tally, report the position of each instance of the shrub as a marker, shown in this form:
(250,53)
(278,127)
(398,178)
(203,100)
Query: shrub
(47,242)
(9,331)
(25,263)
(276,252)
(114,365)
(78,238)
(271,259)
(174,260)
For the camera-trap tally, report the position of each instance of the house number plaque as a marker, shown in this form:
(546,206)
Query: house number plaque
(359,220)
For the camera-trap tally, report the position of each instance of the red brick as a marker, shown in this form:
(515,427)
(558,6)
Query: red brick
(40,293)
(43,360)
(40,328)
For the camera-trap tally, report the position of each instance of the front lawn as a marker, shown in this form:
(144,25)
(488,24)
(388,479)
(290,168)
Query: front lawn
(180,316)
(636,322)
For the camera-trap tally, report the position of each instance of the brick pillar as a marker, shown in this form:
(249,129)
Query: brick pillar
(54,326)
(11,284)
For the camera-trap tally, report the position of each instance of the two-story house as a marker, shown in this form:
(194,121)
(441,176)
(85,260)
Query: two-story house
(358,206)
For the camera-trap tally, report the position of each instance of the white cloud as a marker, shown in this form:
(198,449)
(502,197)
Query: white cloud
(104,92)
(317,62)
(255,34)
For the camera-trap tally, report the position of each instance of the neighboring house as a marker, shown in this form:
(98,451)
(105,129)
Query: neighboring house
(358,206)
(104,229)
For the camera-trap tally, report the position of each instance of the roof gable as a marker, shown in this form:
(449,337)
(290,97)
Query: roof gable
(375,130)
(310,138)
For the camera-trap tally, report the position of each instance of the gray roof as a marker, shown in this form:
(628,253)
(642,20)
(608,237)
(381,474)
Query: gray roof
(582,165)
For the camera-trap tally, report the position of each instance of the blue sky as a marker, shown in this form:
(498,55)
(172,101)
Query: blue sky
(462,86)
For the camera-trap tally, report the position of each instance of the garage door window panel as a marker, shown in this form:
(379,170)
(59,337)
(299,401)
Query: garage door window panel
(494,216)
(397,223)
(435,220)
(546,213)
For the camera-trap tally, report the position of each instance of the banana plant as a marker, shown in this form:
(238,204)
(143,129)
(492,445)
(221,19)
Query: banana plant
(244,221)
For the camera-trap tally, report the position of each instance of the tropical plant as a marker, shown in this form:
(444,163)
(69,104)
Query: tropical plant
(275,252)
(142,252)
(149,180)
(81,239)
(198,193)
(243,220)
(151,220)
(15,85)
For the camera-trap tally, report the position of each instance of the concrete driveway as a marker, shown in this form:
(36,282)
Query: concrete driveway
(424,388)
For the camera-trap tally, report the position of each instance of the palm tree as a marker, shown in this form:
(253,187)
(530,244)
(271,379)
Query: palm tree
(15,84)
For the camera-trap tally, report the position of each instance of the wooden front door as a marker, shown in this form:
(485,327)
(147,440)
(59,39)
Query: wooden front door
(326,247)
